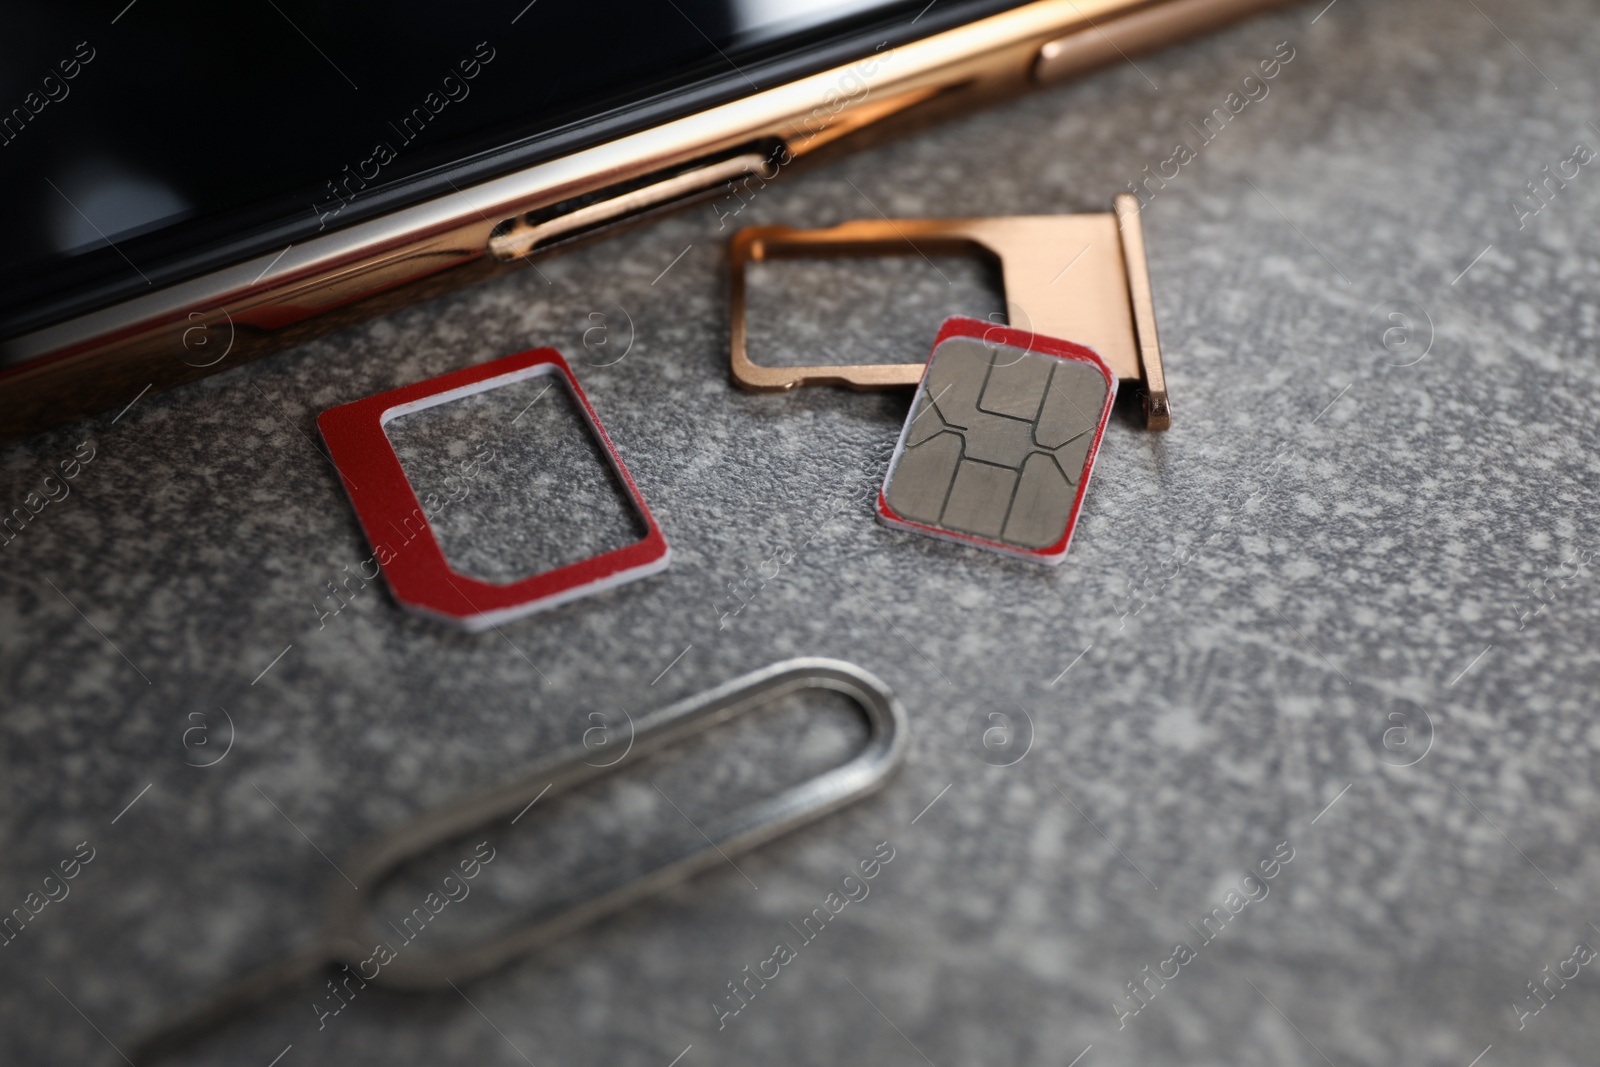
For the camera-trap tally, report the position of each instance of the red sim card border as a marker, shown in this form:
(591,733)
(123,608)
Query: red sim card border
(1028,341)
(419,575)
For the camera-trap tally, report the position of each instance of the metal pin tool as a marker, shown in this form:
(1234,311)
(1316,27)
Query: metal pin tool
(348,934)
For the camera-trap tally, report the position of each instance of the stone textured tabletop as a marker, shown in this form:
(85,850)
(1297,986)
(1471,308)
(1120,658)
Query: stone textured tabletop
(1312,696)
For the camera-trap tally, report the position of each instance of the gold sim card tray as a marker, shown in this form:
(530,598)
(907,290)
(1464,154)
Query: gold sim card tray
(1078,278)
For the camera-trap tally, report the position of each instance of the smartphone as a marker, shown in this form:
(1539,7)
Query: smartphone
(184,187)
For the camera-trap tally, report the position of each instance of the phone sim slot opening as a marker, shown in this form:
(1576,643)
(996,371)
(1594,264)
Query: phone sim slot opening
(569,219)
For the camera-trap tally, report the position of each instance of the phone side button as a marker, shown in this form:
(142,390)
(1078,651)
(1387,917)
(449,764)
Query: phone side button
(1100,43)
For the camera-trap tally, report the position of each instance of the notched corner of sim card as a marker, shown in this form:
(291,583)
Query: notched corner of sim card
(999,446)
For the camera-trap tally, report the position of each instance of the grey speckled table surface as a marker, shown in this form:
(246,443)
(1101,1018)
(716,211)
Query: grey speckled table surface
(1344,611)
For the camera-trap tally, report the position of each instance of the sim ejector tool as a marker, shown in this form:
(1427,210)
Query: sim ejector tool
(348,934)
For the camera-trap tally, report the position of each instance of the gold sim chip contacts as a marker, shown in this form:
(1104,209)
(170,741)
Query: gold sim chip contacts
(1000,442)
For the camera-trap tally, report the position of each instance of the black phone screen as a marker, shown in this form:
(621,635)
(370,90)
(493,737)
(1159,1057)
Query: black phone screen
(147,141)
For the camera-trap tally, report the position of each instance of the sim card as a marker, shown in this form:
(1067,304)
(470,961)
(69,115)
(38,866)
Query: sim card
(1000,442)
(406,547)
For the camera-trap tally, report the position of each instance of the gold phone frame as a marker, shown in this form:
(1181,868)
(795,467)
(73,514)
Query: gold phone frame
(103,360)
